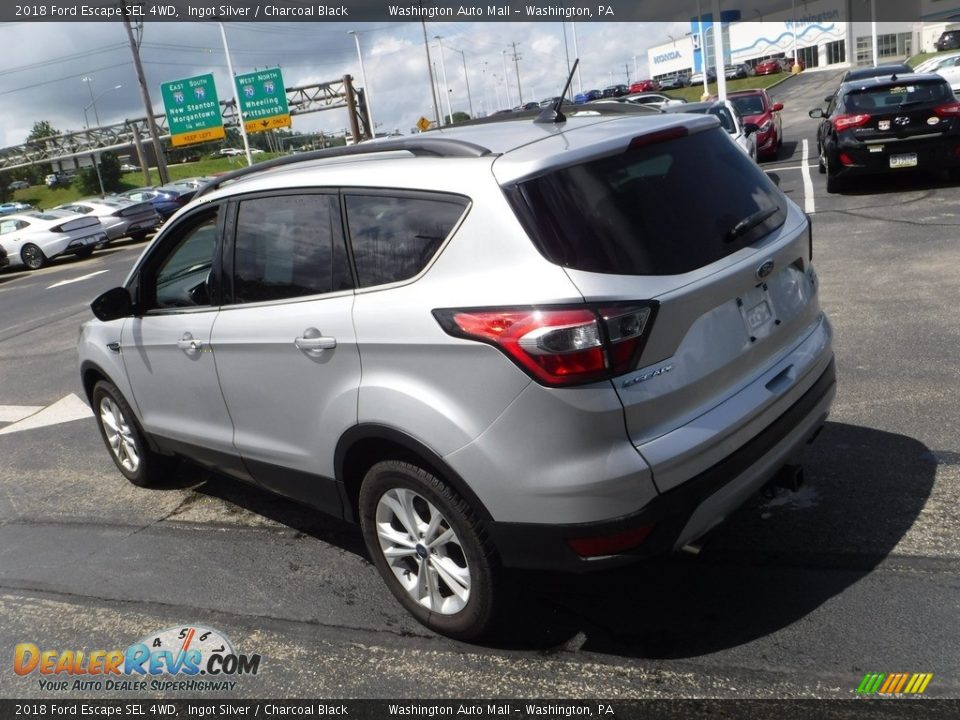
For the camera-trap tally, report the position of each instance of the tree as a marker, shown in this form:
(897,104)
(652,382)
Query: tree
(42,129)
(87,179)
(5,181)
(458,116)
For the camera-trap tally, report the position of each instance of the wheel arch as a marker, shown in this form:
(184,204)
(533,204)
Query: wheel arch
(90,374)
(363,446)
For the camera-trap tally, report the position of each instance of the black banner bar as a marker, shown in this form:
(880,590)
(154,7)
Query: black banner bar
(919,707)
(354,11)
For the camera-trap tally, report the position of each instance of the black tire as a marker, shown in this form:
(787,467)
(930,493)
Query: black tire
(834,183)
(138,236)
(32,256)
(150,469)
(84,252)
(469,553)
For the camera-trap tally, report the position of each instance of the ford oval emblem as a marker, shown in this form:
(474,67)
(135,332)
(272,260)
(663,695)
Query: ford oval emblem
(765,269)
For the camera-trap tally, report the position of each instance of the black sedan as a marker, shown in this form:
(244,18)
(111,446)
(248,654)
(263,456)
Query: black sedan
(888,124)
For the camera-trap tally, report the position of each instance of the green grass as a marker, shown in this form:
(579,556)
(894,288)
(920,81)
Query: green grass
(41,196)
(693,93)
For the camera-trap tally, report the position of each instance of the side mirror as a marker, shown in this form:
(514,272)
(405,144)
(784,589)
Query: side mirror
(816,113)
(750,128)
(777,107)
(113,304)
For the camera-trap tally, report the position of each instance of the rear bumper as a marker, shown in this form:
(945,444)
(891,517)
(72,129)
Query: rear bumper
(874,159)
(686,512)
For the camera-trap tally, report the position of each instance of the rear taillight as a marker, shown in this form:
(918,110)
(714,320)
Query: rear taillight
(559,346)
(845,122)
(948,110)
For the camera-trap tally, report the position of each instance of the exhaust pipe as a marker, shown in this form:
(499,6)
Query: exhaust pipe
(789,477)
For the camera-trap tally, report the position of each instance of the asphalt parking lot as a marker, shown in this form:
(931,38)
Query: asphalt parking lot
(797,596)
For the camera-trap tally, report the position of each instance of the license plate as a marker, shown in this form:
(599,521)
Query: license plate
(903,161)
(756,308)
(758,316)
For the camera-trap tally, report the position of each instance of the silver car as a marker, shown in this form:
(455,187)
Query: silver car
(497,345)
(120,217)
(741,132)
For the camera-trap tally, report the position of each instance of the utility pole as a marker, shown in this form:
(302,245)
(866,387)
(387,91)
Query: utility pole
(516,66)
(433,90)
(506,83)
(151,122)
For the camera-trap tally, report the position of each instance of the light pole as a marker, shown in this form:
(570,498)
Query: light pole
(433,90)
(466,79)
(93,103)
(236,95)
(366,87)
(446,86)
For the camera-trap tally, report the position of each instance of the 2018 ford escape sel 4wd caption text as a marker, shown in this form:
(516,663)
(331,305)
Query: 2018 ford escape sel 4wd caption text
(498,345)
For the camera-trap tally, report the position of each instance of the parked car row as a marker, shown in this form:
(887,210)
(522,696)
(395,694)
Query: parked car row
(31,238)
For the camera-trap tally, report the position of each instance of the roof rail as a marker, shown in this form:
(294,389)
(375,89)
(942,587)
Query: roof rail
(430,147)
(569,108)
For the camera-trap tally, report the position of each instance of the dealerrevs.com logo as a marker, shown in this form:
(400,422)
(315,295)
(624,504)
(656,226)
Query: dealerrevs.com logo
(188,658)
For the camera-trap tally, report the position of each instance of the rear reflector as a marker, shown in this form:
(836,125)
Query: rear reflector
(610,544)
(846,160)
(558,346)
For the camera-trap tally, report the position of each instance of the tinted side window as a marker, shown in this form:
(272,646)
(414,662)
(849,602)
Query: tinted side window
(394,237)
(289,246)
(183,274)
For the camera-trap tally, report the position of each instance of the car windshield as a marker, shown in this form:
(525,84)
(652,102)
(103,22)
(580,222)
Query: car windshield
(619,214)
(748,104)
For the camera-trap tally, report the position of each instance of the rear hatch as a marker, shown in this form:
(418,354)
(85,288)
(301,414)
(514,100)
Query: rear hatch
(70,221)
(688,224)
(894,116)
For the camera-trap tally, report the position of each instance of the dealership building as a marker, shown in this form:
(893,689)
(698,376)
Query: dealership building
(819,33)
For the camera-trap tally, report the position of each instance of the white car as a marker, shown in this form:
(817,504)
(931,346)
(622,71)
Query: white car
(118,216)
(744,134)
(949,70)
(33,238)
(933,63)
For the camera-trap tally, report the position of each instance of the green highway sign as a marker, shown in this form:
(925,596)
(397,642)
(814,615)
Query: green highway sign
(263,100)
(193,110)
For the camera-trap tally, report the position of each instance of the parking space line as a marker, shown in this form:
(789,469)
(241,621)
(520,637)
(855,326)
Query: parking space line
(808,203)
(76,279)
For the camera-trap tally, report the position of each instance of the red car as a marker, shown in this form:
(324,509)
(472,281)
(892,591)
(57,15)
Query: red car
(756,108)
(644,86)
(768,67)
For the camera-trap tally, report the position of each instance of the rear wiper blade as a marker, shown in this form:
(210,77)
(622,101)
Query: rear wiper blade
(748,223)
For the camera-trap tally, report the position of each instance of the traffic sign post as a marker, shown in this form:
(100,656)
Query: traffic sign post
(263,100)
(193,110)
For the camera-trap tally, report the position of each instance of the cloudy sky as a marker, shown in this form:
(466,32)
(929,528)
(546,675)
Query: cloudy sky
(45,63)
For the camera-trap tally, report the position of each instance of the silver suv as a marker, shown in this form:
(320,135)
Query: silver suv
(565,345)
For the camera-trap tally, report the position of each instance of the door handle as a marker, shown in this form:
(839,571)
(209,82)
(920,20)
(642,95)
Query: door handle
(313,342)
(189,344)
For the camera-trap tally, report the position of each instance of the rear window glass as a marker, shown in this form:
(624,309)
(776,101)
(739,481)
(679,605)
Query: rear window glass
(895,96)
(661,209)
